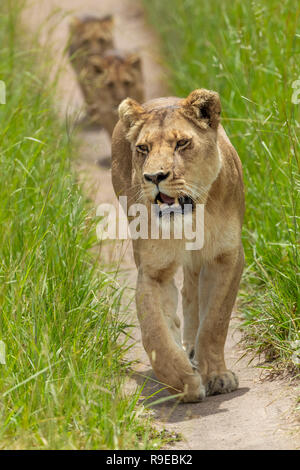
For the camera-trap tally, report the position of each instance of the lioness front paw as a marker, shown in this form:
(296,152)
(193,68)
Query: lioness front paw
(224,382)
(194,390)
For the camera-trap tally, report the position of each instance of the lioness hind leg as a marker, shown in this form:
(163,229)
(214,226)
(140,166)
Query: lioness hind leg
(219,282)
(190,307)
(169,361)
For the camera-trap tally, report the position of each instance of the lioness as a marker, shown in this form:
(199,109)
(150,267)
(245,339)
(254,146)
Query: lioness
(171,151)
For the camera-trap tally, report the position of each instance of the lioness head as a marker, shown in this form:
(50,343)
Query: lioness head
(175,156)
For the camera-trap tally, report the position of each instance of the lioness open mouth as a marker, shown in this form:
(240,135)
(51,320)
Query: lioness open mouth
(168,204)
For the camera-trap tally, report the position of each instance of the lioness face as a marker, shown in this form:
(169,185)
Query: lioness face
(174,147)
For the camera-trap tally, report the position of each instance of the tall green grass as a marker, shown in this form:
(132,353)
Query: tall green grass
(62,386)
(250,53)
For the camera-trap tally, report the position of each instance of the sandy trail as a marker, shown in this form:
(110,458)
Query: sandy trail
(258,414)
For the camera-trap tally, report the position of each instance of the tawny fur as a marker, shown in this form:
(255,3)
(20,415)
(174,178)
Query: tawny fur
(105,75)
(106,81)
(89,35)
(210,172)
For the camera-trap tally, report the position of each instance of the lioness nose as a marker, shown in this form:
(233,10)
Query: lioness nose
(156,178)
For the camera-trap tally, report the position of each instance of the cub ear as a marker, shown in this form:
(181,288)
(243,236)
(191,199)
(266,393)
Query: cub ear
(203,106)
(108,19)
(97,63)
(134,60)
(75,22)
(130,113)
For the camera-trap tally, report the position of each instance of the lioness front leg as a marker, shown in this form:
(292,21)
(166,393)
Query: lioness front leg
(169,361)
(190,307)
(169,300)
(219,282)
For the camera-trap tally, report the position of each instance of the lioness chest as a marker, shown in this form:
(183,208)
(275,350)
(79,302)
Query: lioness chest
(220,235)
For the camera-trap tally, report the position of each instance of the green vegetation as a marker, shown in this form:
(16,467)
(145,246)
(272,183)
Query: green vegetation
(250,53)
(62,386)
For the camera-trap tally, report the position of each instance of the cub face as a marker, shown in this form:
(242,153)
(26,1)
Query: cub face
(90,35)
(175,156)
(107,80)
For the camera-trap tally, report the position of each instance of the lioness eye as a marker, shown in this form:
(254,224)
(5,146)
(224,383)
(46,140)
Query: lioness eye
(142,148)
(182,143)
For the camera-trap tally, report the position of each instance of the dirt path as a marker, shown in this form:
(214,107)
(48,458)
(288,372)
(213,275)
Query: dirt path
(256,416)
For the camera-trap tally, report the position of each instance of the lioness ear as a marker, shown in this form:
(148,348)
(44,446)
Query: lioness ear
(130,112)
(203,105)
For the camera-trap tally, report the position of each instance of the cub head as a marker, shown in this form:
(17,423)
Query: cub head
(113,77)
(175,156)
(90,35)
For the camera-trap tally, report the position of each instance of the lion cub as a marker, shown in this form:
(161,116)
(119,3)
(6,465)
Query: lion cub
(106,81)
(106,76)
(89,35)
